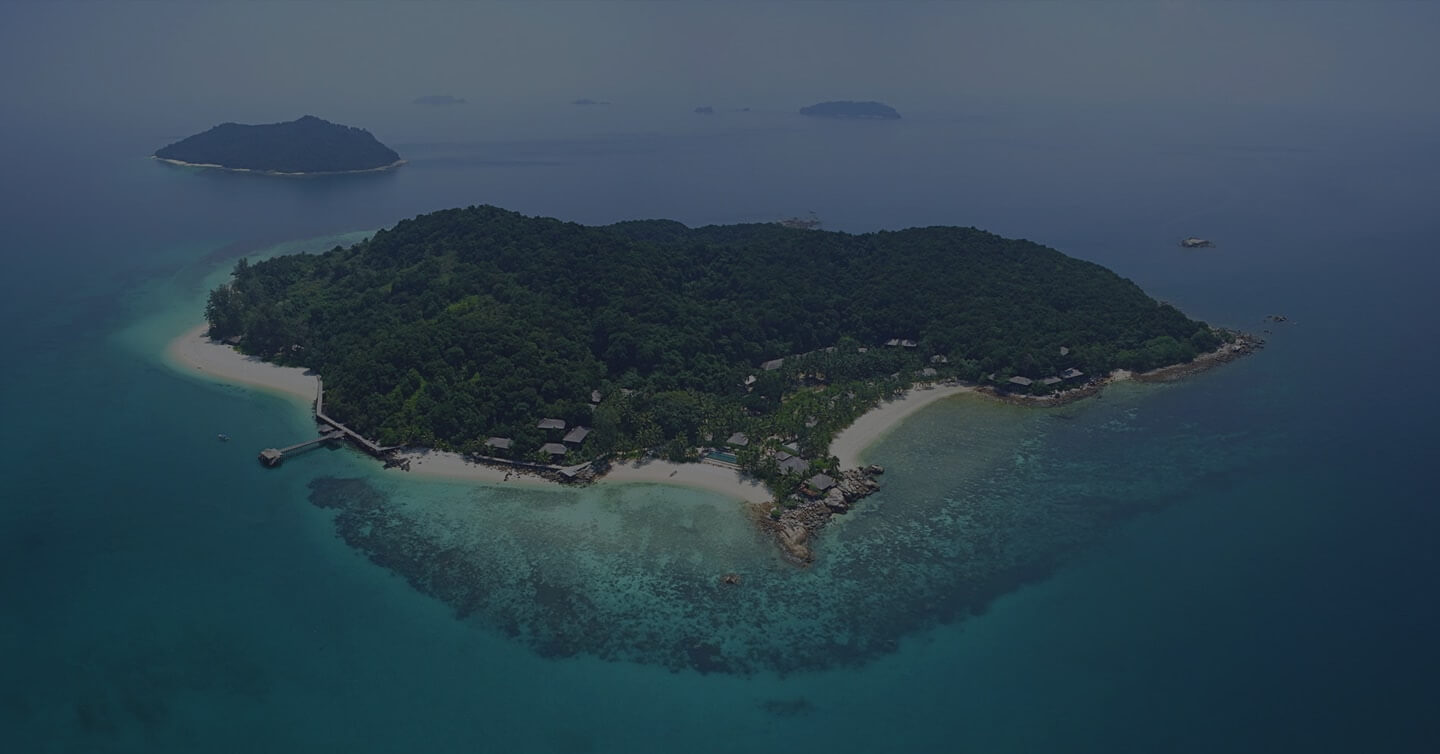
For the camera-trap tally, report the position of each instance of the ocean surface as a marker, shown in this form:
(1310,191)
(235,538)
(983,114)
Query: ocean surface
(1242,561)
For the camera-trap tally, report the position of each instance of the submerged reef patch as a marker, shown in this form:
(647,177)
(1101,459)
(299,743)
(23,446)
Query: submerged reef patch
(614,574)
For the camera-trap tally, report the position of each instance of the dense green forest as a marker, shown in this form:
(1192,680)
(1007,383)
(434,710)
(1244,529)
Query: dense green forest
(306,145)
(464,324)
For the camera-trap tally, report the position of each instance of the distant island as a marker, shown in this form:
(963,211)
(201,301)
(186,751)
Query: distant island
(438,99)
(847,110)
(307,145)
(1196,243)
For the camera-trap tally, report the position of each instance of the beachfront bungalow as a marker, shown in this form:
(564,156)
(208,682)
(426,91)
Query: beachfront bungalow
(1072,373)
(499,443)
(1020,382)
(1048,381)
(792,464)
(553,449)
(576,435)
(738,439)
(549,423)
(820,482)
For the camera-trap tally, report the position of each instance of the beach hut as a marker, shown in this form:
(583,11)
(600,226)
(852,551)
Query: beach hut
(1071,374)
(499,443)
(793,464)
(576,435)
(738,439)
(548,423)
(1021,381)
(553,449)
(820,482)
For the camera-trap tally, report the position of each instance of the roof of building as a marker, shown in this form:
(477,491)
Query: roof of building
(1064,350)
(502,443)
(781,455)
(1022,381)
(772,365)
(1072,373)
(554,449)
(577,435)
(548,423)
(1050,380)
(928,372)
(821,482)
(893,342)
(909,344)
(595,396)
(750,379)
(794,465)
(738,438)
(939,359)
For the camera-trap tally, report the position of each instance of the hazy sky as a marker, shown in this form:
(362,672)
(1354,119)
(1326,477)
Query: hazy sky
(266,61)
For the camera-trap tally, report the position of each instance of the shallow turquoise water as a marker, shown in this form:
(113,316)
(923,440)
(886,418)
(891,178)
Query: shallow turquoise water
(1241,561)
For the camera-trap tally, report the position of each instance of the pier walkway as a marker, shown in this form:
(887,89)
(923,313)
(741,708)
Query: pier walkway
(333,430)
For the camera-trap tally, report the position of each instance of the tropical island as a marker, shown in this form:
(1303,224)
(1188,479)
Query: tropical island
(306,146)
(849,110)
(556,347)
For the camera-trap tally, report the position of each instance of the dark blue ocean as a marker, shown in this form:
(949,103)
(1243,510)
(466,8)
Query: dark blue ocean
(1241,561)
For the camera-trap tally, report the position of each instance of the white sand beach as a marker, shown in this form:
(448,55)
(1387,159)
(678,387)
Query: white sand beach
(193,352)
(853,440)
(705,476)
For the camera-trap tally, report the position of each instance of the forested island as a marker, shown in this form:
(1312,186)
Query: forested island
(306,145)
(490,333)
(847,109)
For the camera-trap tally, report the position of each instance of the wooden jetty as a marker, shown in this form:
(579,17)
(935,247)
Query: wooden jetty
(273,456)
(333,430)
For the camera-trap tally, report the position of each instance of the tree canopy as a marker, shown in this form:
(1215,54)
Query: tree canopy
(469,323)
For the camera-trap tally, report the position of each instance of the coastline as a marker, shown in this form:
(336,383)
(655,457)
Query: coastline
(193,353)
(879,421)
(214,166)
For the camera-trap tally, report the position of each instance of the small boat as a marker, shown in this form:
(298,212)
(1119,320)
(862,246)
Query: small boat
(222,437)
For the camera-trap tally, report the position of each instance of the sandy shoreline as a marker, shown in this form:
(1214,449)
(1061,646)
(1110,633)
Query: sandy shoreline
(214,166)
(876,423)
(193,352)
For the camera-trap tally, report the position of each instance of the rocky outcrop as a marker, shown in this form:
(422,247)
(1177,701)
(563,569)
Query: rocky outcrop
(794,525)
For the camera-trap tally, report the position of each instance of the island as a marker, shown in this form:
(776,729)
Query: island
(537,346)
(1196,243)
(851,110)
(306,146)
